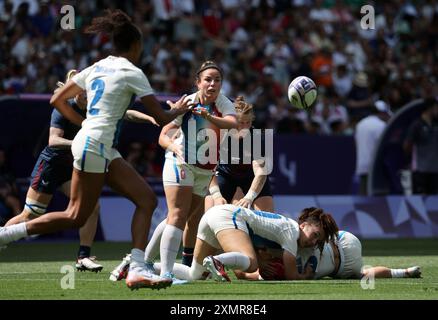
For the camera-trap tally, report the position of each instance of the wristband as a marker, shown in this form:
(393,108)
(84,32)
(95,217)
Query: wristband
(215,192)
(251,195)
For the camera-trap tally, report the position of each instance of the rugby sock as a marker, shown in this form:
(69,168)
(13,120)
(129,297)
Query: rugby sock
(234,260)
(153,248)
(196,271)
(84,252)
(181,271)
(137,258)
(169,247)
(187,256)
(398,273)
(13,233)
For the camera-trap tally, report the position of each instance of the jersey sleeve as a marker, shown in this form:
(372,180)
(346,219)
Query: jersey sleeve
(290,242)
(225,106)
(80,78)
(138,83)
(57,120)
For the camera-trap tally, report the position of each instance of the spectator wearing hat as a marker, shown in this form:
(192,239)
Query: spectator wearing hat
(367,135)
(422,144)
(359,99)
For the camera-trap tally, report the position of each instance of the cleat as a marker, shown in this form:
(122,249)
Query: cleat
(174,280)
(149,267)
(121,271)
(413,272)
(216,268)
(139,278)
(88,263)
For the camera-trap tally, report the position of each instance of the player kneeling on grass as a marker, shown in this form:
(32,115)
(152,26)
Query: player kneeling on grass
(227,228)
(339,259)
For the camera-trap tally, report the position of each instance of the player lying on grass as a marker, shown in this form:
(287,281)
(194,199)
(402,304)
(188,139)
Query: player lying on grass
(227,228)
(340,259)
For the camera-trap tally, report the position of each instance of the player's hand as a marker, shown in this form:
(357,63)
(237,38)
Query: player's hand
(219,201)
(246,203)
(177,151)
(201,111)
(308,272)
(181,106)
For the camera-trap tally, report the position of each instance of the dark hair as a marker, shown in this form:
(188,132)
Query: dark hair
(318,216)
(208,65)
(117,24)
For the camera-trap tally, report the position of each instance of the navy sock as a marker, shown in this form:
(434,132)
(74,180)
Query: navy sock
(84,252)
(187,256)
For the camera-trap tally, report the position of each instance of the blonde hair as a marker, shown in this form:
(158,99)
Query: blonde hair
(68,76)
(244,108)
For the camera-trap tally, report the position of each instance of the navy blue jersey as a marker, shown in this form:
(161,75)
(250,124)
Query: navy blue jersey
(57,120)
(246,154)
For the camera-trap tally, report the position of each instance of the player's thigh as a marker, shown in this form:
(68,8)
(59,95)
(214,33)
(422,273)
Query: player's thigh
(38,196)
(65,188)
(85,191)
(237,196)
(202,250)
(265,203)
(179,202)
(123,179)
(235,240)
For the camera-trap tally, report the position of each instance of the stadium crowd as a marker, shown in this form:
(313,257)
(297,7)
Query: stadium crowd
(260,45)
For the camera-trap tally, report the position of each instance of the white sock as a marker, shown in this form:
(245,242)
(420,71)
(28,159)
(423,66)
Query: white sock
(13,233)
(153,248)
(196,271)
(137,258)
(181,271)
(169,247)
(398,273)
(234,260)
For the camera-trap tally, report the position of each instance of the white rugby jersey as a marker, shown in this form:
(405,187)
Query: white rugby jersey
(193,129)
(111,84)
(272,226)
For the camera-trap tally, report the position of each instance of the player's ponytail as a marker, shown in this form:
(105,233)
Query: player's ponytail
(119,25)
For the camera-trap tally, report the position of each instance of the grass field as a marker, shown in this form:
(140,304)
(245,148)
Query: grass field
(31,270)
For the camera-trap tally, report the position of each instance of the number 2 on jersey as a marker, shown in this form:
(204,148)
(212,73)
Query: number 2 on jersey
(98,85)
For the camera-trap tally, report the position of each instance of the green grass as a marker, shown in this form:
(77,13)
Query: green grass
(30,270)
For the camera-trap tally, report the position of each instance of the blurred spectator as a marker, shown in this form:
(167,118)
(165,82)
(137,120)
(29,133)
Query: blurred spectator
(9,202)
(359,99)
(144,159)
(329,115)
(320,39)
(422,144)
(368,132)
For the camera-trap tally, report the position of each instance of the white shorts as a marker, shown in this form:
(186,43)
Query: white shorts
(176,174)
(91,155)
(217,219)
(350,251)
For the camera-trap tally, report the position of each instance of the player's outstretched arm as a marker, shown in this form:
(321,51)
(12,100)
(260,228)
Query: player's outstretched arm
(139,117)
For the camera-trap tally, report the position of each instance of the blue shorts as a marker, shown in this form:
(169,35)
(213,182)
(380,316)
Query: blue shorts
(49,175)
(228,186)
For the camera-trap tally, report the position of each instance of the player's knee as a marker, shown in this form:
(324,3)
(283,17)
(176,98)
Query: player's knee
(148,204)
(177,218)
(76,218)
